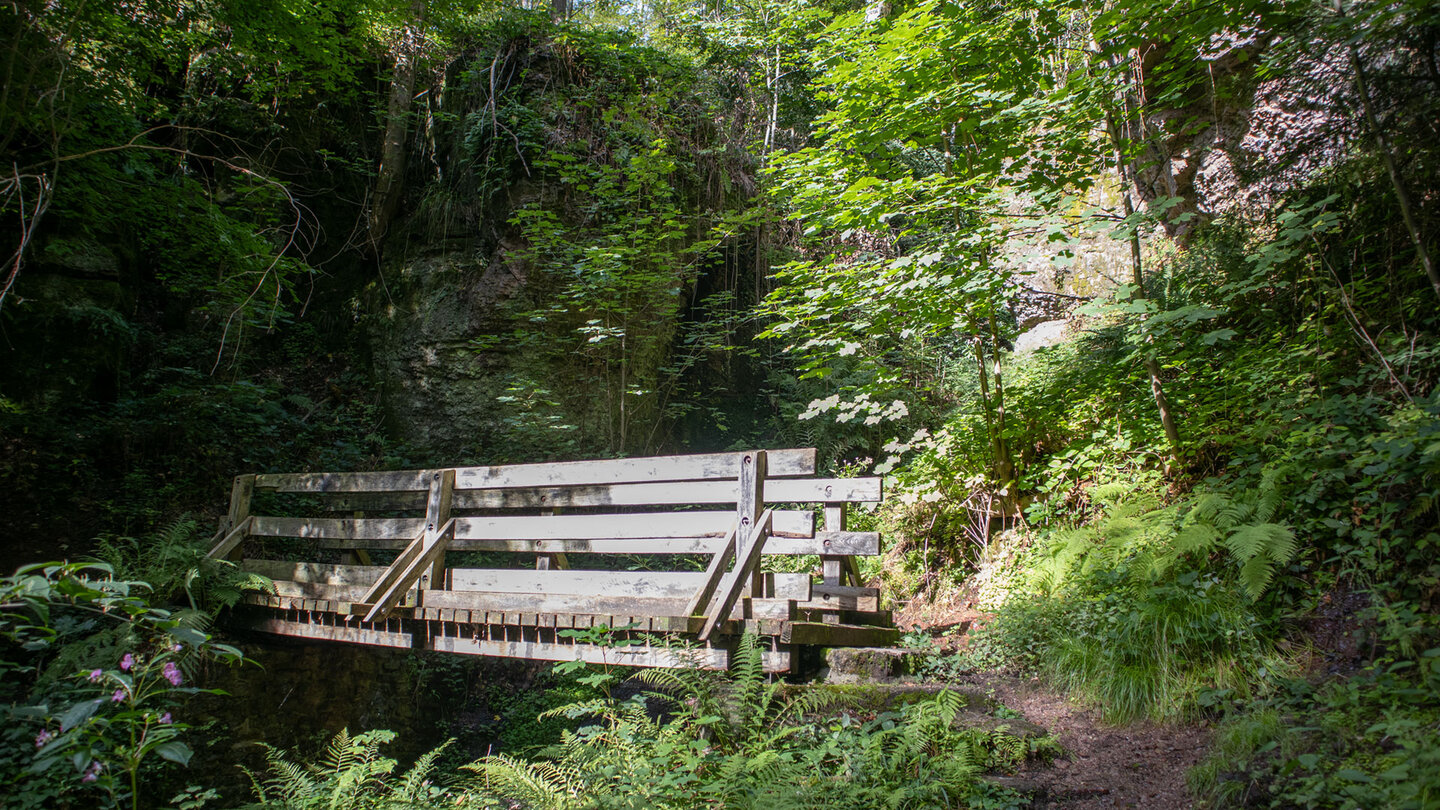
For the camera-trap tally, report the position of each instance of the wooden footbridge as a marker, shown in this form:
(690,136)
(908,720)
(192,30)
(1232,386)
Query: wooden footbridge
(669,558)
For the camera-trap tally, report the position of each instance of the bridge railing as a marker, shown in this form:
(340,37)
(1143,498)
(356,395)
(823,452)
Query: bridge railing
(448,546)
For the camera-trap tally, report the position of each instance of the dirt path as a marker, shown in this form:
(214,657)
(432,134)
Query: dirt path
(1138,766)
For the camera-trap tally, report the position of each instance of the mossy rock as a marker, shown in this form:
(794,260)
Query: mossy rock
(865,664)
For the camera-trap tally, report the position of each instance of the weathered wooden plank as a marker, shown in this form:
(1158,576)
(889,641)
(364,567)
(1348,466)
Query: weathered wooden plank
(353,635)
(784,463)
(553,603)
(656,584)
(317,573)
(402,529)
(624,526)
(843,597)
(832,543)
(875,618)
(374,501)
(662,584)
(397,481)
(838,635)
(615,656)
(772,609)
(562,605)
(320,590)
(777,491)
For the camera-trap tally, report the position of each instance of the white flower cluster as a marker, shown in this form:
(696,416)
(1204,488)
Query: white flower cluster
(848,410)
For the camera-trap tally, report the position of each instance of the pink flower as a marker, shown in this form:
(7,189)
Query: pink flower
(95,675)
(43,737)
(177,647)
(165,719)
(118,696)
(93,772)
(172,673)
(127,662)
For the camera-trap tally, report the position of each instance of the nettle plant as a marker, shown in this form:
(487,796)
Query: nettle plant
(92,676)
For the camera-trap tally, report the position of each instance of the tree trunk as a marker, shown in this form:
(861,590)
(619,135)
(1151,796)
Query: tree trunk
(1137,278)
(390,176)
(1002,466)
(1387,154)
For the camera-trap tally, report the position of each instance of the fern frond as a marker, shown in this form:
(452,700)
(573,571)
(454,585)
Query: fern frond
(1255,575)
(1196,538)
(537,785)
(1206,506)
(1275,542)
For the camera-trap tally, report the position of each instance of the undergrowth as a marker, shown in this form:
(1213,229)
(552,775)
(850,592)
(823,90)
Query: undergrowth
(695,739)
(1363,742)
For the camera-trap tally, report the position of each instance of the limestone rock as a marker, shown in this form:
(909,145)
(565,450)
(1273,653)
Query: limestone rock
(865,664)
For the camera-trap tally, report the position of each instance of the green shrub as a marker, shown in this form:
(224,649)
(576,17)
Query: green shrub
(1363,742)
(90,677)
(737,740)
(1145,609)
(350,775)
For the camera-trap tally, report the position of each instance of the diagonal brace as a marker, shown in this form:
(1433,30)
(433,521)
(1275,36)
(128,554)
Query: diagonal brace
(406,570)
(735,581)
(227,541)
(714,572)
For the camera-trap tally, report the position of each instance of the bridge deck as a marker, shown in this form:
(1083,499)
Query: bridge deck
(440,567)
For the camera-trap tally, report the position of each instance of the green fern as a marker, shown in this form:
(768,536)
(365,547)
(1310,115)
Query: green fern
(173,562)
(1241,526)
(741,740)
(351,775)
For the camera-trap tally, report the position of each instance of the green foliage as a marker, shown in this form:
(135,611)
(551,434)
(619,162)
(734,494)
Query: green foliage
(173,562)
(350,775)
(740,741)
(1366,741)
(1135,611)
(91,673)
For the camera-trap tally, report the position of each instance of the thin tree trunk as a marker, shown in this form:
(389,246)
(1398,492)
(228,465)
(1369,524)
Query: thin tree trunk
(1001,465)
(1387,154)
(390,176)
(1004,462)
(1137,277)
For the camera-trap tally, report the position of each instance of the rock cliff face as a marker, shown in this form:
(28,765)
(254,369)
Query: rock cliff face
(549,250)
(425,317)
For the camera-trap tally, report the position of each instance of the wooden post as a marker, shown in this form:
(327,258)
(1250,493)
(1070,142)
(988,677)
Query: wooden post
(237,522)
(437,513)
(556,560)
(833,568)
(749,504)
